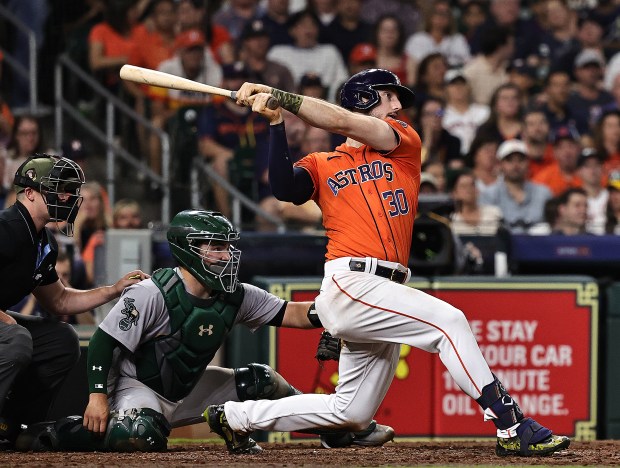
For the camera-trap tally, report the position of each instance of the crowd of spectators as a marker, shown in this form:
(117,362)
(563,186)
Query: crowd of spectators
(517,101)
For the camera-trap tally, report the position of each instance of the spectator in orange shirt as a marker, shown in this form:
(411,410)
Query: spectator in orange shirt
(110,43)
(156,43)
(562,174)
(535,134)
(192,15)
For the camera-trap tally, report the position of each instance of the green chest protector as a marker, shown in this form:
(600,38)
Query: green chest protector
(172,364)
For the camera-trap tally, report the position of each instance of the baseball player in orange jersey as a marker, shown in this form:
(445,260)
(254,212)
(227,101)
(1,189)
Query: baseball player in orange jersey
(367,189)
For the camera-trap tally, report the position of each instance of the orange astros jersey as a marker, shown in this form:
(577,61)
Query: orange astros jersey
(368,198)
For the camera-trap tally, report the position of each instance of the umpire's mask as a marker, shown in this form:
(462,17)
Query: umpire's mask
(58,180)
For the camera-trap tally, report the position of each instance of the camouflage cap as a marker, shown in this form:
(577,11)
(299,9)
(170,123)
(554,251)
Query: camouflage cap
(35,169)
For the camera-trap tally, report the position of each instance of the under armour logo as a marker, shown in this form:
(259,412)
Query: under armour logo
(203,329)
(38,276)
(97,368)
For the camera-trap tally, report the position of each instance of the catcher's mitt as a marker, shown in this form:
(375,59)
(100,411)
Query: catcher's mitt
(329,347)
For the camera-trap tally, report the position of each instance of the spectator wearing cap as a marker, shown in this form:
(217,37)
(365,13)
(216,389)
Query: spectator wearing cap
(562,174)
(307,55)
(612,225)
(439,35)
(253,46)
(589,36)
(556,93)
(363,56)
(348,28)
(234,14)
(470,217)
(192,60)
(590,168)
(192,14)
(524,76)
(462,116)
(234,140)
(436,173)
(535,135)
(572,213)
(587,100)
(521,201)
(428,183)
(389,41)
(487,70)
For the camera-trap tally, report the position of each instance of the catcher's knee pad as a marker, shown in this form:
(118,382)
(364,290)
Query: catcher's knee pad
(261,382)
(66,434)
(137,430)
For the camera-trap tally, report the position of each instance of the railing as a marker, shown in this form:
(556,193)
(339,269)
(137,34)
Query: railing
(31,73)
(239,199)
(113,150)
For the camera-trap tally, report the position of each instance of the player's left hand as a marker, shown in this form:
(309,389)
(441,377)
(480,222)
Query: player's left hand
(128,279)
(259,105)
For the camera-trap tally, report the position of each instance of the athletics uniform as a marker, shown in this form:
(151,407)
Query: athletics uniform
(141,316)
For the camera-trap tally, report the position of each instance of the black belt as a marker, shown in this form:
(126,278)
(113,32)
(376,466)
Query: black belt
(393,274)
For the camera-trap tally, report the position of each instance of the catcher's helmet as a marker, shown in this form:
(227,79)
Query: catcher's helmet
(189,231)
(360,91)
(52,176)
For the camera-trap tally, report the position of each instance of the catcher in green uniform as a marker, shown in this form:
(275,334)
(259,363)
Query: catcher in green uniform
(148,362)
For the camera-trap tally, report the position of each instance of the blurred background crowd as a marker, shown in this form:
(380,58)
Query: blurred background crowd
(517,103)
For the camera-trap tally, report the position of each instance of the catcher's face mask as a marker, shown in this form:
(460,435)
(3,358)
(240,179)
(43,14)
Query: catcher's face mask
(202,242)
(59,181)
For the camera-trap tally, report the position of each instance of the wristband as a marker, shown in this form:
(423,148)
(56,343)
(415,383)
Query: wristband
(289,101)
(313,317)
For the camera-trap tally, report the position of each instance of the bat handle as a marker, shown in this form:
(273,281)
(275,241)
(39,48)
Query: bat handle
(272,102)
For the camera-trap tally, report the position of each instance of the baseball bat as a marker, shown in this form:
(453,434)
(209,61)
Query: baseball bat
(167,80)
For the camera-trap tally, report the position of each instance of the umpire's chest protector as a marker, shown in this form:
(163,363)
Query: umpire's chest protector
(172,364)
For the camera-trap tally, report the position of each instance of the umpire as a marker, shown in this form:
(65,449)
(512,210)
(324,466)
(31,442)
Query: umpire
(36,354)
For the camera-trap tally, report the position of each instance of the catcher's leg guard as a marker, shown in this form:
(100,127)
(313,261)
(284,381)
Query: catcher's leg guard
(261,382)
(516,434)
(66,434)
(137,430)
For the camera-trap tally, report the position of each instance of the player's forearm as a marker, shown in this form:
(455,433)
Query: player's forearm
(371,131)
(287,183)
(316,112)
(100,354)
(59,300)
(296,315)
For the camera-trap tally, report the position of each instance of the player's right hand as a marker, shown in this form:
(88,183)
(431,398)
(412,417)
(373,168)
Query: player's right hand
(6,318)
(96,414)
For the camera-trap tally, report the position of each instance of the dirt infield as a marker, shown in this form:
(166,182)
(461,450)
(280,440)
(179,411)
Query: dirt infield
(597,453)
